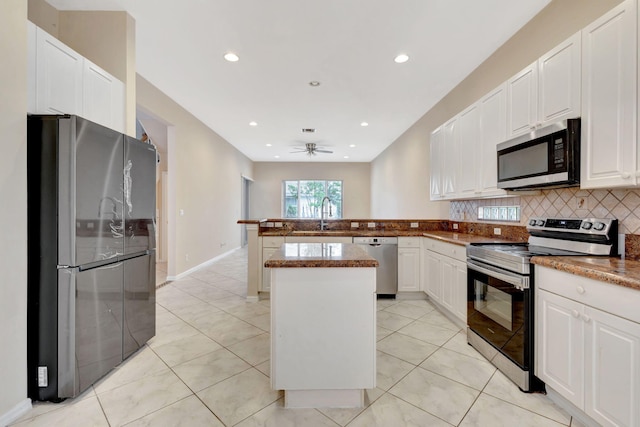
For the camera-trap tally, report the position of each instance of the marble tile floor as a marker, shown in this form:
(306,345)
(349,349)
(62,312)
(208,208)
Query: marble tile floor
(208,365)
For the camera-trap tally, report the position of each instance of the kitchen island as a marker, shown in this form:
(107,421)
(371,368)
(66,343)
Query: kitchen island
(323,324)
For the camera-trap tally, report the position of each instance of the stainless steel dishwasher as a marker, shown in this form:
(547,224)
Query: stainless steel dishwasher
(385,251)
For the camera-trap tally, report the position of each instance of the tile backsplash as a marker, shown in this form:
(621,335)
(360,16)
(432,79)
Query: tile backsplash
(566,203)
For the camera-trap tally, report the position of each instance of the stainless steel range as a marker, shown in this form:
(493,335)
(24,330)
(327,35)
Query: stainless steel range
(500,280)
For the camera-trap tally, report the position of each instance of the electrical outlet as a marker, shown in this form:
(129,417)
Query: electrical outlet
(355,225)
(181,212)
(581,203)
(186,257)
(43,378)
(497,231)
(222,244)
(371,224)
(415,225)
(455,226)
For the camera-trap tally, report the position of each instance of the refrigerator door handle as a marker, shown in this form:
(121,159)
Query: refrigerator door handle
(67,332)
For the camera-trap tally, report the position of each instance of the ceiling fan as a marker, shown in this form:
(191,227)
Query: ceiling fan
(311,149)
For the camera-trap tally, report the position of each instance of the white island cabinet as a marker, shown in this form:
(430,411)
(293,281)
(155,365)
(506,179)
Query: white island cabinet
(323,324)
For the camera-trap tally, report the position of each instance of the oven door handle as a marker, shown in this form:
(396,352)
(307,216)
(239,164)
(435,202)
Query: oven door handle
(519,282)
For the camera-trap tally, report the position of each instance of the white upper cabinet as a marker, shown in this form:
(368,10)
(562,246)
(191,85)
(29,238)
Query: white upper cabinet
(609,155)
(58,76)
(61,81)
(435,150)
(449,155)
(559,82)
(522,101)
(493,130)
(444,160)
(546,91)
(468,152)
(103,97)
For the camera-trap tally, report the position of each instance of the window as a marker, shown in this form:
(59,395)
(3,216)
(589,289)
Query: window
(303,199)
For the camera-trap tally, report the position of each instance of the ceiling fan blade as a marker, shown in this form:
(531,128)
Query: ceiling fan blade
(323,151)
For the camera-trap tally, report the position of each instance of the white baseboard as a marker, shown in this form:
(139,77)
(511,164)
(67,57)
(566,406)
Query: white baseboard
(16,412)
(202,265)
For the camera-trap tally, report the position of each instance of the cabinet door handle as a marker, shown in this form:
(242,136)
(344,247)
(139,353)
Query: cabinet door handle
(580,290)
(575,313)
(586,318)
(625,175)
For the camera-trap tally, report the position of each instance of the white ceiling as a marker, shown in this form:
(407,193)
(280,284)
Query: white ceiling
(347,45)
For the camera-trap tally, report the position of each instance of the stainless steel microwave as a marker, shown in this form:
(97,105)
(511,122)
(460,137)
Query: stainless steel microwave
(545,157)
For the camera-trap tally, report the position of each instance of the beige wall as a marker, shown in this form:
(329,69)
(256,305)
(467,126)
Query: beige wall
(13,215)
(406,161)
(266,191)
(44,16)
(108,40)
(205,176)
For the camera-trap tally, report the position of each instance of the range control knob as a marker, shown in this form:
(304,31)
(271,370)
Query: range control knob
(540,222)
(599,226)
(587,225)
(532,222)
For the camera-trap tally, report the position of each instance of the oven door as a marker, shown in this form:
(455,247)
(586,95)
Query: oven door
(498,309)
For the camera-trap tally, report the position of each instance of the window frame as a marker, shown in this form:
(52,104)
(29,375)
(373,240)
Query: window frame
(336,205)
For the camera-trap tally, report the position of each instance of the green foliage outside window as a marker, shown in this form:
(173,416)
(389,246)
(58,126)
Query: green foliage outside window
(303,198)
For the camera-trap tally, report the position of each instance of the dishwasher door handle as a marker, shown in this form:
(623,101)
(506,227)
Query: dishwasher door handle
(375,245)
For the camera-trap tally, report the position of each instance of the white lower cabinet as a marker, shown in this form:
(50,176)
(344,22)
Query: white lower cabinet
(583,352)
(445,276)
(269,245)
(409,264)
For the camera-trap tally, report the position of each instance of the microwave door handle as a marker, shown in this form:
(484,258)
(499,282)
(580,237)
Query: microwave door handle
(520,283)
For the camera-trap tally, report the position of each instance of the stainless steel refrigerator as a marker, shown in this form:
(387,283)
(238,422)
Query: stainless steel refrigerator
(91,277)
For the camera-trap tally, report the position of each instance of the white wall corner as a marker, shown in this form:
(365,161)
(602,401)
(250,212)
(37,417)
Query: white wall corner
(201,266)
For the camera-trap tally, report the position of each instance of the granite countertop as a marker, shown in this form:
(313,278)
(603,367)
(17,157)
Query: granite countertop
(617,271)
(310,255)
(344,233)
(463,239)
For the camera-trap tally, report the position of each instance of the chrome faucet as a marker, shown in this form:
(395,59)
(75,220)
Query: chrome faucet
(323,221)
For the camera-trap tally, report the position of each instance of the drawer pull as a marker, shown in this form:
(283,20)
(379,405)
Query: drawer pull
(575,313)
(580,290)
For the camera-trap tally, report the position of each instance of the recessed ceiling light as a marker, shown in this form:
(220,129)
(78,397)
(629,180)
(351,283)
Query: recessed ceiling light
(401,58)
(352,145)
(231,57)
(277,157)
(253,123)
(346,157)
(268,145)
(364,124)
(314,83)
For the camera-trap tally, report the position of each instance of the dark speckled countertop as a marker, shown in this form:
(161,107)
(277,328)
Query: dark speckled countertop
(313,255)
(463,239)
(617,271)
